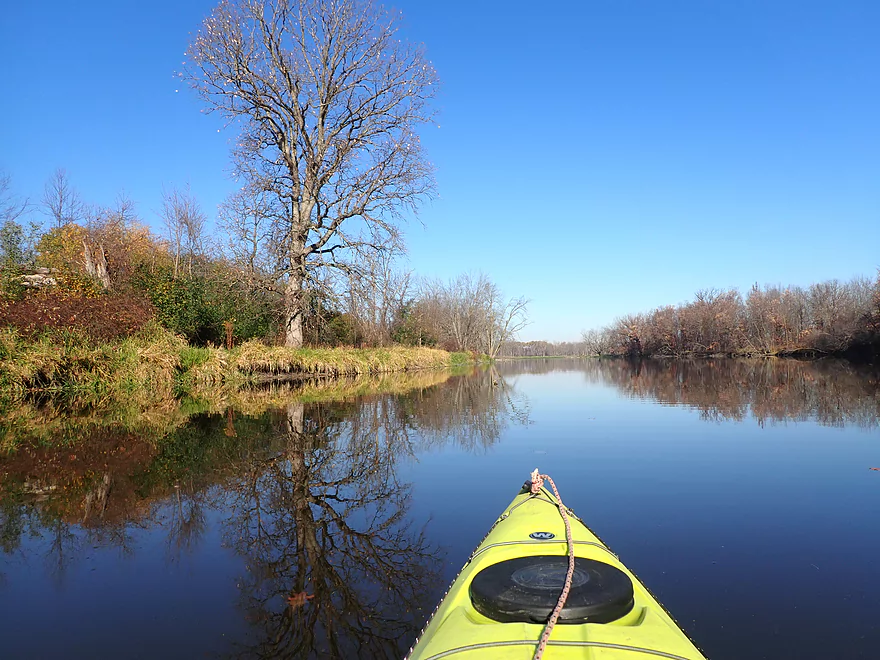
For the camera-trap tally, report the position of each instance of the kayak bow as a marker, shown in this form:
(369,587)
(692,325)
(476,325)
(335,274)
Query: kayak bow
(499,604)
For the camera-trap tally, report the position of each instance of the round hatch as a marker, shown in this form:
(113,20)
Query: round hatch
(526,589)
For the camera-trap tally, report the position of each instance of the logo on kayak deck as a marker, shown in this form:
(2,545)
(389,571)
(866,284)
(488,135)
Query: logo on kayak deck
(542,536)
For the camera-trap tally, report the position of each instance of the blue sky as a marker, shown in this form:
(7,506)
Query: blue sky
(598,157)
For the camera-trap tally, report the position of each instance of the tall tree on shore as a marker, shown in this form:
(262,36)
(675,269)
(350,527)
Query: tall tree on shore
(327,100)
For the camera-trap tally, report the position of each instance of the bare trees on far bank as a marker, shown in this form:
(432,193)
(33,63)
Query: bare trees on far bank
(829,317)
(468,313)
(540,348)
(381,304)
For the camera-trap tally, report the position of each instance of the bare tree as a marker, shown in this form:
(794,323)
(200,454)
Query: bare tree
(12,207)
(467,299)
(594,342)
(540,348)
(16,241)
(246,219)
(185,224)
(327,99)
(123,213)
(377,293)
(61,201)
(505,320)
(469,313)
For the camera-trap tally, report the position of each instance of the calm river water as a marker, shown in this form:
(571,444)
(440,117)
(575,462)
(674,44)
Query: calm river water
(287,524)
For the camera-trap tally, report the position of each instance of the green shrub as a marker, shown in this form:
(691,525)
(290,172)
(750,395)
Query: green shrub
(196,307)
(192,356)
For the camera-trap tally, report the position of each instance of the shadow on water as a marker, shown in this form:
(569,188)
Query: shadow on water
(304,492)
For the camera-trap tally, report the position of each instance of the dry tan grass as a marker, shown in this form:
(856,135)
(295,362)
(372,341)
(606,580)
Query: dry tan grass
(156,364)
(214,370)
(254,357)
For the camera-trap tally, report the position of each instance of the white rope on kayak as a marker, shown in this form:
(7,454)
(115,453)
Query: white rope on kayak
(537,484)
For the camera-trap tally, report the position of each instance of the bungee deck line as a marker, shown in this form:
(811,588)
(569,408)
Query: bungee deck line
(537,483)
(585,645)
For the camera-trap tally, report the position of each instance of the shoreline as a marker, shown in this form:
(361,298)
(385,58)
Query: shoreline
(155,363)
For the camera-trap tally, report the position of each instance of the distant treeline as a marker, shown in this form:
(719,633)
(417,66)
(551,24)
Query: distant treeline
(543,349)
(828,318)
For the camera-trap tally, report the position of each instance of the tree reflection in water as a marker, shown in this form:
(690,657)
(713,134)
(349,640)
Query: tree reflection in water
(471,411)
(334,567)
(186,521)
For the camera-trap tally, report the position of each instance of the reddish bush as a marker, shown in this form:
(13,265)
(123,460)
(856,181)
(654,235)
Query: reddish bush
(102,318)
(448,345)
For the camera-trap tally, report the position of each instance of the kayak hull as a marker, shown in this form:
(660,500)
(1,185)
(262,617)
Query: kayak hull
(531,526)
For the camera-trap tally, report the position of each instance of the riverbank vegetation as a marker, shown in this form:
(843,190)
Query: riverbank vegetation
(61,314)
(830,318)
(159,364)
(303,253)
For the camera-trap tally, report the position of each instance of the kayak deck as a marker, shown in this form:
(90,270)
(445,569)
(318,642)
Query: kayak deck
(457,630)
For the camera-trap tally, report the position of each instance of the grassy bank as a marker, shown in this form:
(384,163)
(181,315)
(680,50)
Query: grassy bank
(158,364)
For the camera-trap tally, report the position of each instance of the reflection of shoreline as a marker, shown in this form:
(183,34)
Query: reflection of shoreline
(829,392)
(308,498)
(302,481)
(46,422)
(99,472)
(471,411)
(59,461)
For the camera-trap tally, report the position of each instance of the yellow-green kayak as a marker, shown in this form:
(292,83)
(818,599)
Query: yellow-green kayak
(499,603)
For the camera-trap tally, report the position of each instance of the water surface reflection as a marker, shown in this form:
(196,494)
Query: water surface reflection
(325,520)
(830,392)
(305,496)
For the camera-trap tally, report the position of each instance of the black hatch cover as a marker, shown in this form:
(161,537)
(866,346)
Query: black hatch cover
(527,588)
